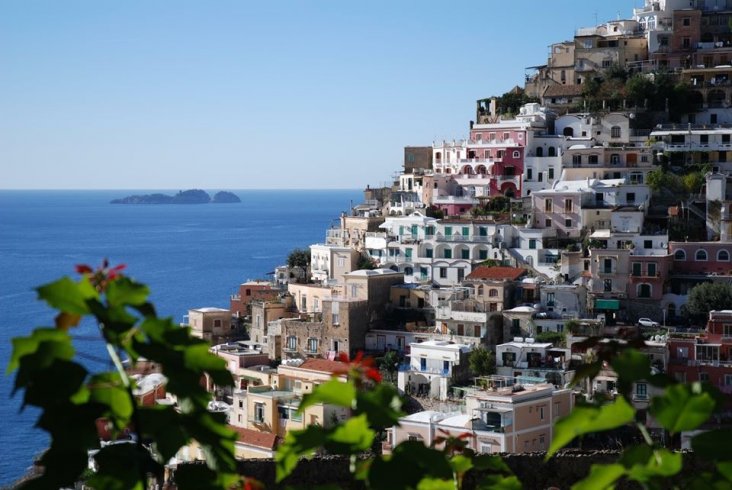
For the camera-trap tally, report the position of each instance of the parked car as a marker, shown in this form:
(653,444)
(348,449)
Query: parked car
(648,323)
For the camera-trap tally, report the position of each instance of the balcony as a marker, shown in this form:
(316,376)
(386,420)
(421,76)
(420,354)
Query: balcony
(427,370)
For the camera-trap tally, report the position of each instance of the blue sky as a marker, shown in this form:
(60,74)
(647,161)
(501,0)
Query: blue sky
(234,94)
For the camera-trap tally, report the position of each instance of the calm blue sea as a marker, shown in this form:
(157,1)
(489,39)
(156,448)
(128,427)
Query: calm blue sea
(191,256)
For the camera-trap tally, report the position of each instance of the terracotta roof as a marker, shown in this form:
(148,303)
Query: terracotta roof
(562,90)
(324,365)
(497,273)
(255,438)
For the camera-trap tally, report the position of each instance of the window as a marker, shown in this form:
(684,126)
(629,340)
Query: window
(704,377)
(312,345)
(408,271)
(647,243)
(443,272)
(680,255)
(429,231)
(465,253)
(448,231)
(548,223)
(447,253)
(428,253)
(607,285)
(423,272)
(686,21)
(641,391)
(341,262)
(704,138)
(259,412)
(541,414)
(548,205)
(615,132)
(532,243)
(483,254)
(529,173)
(291,342)
(701,255)
(568,223)
(551,173)
(636,268)
(725,138)
(651,269)
(516,154)
(630,197)
(592,159)
(506,136)
(567,205)
(493,293)
(644,290)
(408,253)
(335,318)
(577,159)
(615,159)
(723,256)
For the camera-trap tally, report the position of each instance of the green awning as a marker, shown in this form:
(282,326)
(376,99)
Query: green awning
(607,304)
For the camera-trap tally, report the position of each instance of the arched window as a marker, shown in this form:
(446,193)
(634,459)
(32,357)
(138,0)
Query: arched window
(680,255)
(516,154)
(493,293)
(539,151)
(408,271)
(438,157)
(644,290)
(394,268)
(552,151)
(480,291)
(723,256)
(568,131)
(701,255)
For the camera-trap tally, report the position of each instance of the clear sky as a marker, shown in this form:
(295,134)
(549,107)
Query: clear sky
(158,94)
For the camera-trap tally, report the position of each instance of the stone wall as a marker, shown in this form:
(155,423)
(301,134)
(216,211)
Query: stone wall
(559,472)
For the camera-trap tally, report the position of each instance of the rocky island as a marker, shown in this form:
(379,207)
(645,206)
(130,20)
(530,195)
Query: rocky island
(191,196)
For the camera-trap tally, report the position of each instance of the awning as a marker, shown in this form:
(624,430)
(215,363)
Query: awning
(607,304)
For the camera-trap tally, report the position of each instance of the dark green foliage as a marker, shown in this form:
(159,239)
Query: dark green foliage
(71,399)
(482,362)
(706,297)
(299,258)
(556,338)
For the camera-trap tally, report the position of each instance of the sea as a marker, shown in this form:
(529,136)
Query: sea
(191,256)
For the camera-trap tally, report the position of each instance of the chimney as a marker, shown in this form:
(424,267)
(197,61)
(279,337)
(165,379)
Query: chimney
(493,107)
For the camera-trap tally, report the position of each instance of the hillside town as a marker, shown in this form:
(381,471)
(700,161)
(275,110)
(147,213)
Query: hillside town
(591,201)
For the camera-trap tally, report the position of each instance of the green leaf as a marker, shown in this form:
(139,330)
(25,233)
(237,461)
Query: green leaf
(491,462)
(409,463)
(631,365)
(635,455)
(583,420)
(712,444)
(200,359)
(661,463)
(682,407)
(122,466)
(107,388)
(125,292)
(460,464)
(381,405)
(296,445)
(28,345)
(725,469)
(68,296)
(586,371)
(429,483)
(163,424)
(352,436)
(500,482)
(332,392)
(601,476)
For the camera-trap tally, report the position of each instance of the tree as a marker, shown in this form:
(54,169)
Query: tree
(706,297)
(390,364)
(299,258)
(482,362)
(72,399)
(366,262)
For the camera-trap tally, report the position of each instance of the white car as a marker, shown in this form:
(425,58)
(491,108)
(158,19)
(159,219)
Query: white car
(648,323)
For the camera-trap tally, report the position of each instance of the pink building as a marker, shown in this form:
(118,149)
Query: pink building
(701,258)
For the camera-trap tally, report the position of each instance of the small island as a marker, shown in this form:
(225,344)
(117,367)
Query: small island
(191,196)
